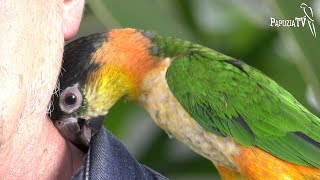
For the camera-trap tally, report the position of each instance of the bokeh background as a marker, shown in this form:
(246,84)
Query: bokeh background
(238,28)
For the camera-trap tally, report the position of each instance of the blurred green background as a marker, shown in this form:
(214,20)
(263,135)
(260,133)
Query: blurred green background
(238,28)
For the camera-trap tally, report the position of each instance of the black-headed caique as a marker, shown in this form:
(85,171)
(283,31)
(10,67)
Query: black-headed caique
(222,108)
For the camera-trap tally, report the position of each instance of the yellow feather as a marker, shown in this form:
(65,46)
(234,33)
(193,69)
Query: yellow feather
(104,88)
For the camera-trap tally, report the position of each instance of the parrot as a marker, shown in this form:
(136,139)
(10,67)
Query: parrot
(227,111)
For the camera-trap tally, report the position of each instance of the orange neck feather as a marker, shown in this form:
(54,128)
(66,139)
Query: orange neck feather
(127,50)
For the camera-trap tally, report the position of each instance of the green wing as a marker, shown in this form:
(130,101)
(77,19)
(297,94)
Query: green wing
(229,98)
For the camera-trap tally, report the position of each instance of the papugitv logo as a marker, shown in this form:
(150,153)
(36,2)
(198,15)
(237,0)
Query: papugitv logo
(297,21)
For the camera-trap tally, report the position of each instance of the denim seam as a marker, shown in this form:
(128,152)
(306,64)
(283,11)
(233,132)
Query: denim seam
(87,167)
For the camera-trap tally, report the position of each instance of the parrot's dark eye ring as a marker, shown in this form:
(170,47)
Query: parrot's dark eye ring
(70,99)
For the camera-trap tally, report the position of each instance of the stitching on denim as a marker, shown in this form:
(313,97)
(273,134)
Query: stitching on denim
(87,167)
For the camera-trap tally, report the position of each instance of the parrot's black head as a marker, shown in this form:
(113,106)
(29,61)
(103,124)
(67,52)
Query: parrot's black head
(67,101)
(97,71)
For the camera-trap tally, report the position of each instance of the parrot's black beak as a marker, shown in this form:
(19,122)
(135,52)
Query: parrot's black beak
(89,127)
(95,123)
(79,130)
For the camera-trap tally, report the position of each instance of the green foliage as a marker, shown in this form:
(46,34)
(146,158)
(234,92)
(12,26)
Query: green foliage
(240,29)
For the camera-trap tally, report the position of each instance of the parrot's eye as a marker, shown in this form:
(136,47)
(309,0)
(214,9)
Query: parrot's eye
(70,99)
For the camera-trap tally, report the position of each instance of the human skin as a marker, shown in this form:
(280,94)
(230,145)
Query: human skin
(31,46)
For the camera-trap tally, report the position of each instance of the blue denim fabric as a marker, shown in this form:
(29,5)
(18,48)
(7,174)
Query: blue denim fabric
(108,158)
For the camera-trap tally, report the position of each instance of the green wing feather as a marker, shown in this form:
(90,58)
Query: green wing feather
(230,98)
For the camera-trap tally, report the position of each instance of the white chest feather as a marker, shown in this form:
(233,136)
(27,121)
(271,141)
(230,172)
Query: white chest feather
(167,112)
